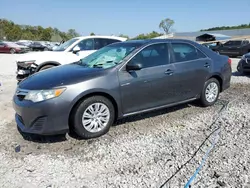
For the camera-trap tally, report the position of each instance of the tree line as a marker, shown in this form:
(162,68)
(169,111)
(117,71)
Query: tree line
(242,26)
(12,32)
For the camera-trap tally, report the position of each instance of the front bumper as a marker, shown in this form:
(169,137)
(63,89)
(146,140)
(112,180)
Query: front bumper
(49,117)
(24,70)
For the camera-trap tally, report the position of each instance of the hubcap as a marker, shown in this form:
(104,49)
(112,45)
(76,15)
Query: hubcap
(212,91)
(96,117)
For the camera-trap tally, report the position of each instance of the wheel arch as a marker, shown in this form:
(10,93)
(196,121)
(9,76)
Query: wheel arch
(219,78)
(55,63)
(81,98)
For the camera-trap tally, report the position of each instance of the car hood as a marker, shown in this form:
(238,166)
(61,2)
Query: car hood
(59,76)
(37,55)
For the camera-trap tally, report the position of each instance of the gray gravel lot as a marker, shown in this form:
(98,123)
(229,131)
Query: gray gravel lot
(140,151)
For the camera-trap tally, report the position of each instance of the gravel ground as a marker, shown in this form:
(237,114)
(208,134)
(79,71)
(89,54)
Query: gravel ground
(140,151)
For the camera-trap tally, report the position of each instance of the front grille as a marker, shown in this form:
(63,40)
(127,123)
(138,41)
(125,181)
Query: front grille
(38,123)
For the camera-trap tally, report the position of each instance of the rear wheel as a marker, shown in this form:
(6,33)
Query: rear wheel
(93,117)
(210,92)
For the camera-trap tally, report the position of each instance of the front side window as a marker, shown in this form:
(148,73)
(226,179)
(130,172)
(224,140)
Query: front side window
(109,56)
(186,52)
(86,44)
(151,56)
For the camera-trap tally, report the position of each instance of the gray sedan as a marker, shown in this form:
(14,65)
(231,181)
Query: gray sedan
(119,80)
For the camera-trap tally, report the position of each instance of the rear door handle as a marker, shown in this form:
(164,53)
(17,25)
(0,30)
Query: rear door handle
(207,65)
(169,72)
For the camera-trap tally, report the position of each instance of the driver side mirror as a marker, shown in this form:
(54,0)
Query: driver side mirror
(76,49)
(133,66)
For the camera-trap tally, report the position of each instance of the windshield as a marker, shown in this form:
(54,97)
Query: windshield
(109,56)
(65,45)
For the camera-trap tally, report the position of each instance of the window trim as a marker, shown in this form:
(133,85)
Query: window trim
(172,52)
(123,67)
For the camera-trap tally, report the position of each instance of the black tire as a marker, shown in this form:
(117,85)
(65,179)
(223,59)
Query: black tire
(45,49)
(46,67)
(203,101)
(240,70)
(77,114)
(12,51)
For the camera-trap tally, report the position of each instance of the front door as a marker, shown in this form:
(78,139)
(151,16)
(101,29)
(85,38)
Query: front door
(153,85)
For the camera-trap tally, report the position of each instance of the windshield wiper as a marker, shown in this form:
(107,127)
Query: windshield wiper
(98,65)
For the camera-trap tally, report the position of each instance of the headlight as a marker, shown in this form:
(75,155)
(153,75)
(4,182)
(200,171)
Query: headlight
(41,95)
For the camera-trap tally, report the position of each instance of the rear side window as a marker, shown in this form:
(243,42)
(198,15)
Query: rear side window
(186,52)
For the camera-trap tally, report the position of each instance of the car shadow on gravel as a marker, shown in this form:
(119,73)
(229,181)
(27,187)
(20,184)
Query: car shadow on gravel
(154,113)
(42,139)
(145,115)
(133,118)
(237,74)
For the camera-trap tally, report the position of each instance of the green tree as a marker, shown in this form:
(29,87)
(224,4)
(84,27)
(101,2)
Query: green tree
(92,34)
(166,25)
(72,33)
(124,36)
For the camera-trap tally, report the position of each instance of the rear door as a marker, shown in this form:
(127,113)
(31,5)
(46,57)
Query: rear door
(192,68)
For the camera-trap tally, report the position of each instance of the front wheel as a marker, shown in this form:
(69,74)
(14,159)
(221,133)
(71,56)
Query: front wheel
(210,92)
(93,117)
(46,67)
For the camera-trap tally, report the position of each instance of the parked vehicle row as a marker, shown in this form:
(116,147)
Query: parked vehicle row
(24,46)
(113,79)
(68,52)
(11,47)
(232,48)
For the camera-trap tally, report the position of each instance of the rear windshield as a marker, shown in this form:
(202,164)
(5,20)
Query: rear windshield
(233,43)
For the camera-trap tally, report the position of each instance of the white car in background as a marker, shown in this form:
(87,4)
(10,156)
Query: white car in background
(68,52)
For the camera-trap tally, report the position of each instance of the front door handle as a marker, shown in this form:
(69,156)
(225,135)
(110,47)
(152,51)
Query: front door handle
(169,72)
(207,65)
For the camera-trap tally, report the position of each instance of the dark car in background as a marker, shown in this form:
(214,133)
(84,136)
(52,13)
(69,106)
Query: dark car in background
(233,48)
(119,80)
(38,46)
(243,66)
(12,48)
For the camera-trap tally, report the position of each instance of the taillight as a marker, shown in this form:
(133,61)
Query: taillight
(229,61)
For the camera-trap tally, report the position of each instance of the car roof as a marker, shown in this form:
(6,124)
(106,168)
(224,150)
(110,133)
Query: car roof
(102,36)
(151,41)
